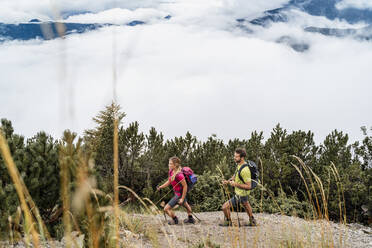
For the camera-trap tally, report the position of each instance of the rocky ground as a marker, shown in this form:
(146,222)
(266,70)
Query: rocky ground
(272,231)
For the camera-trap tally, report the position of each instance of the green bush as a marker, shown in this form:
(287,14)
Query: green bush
(207,194)
(288,205)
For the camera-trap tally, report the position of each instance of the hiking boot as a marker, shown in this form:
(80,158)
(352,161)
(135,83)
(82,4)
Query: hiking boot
(226,223)
(252,222)
(189,220)
(173,221)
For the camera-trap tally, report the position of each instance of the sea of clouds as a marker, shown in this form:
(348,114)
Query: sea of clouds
(197,71)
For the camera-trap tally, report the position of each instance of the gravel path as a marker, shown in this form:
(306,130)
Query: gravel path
(272,231)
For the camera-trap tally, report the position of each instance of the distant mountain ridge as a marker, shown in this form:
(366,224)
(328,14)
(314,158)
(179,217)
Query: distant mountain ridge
(42,30)
(36,29)
(326,8)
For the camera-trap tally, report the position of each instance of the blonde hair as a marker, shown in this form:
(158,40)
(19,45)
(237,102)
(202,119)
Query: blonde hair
(177,164)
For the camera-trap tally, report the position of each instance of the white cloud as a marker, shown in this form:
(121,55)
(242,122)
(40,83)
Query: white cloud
(302,19)
(23,10)
(201,77)
(119,16)
(217,13)
(294,27)
(359,4)
(251,8)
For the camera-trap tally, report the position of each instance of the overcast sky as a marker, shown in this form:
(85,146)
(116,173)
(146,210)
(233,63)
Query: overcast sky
(196,72)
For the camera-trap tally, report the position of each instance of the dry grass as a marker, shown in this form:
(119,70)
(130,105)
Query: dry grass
(116,182)
(30,230)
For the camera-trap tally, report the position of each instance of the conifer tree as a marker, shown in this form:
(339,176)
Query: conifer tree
(100,139)
(131,148)
(41,166)
(8,196)
(276,158)
(154,159)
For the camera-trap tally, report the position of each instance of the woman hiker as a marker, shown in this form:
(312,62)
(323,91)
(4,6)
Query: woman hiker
(178,182)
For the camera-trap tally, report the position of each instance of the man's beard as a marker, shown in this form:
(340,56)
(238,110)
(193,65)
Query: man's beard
(238,161)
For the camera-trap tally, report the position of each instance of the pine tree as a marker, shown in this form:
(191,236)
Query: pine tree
(182,147)
(155,161)
(131,147)
(100,139)
(365,149)
(276,158)
(42,169)
(254,147)
(210,154)
(336,149)
(8,196)
(302,145)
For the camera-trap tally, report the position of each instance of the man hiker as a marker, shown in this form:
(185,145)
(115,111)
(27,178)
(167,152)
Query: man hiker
(242,186)
(177,179)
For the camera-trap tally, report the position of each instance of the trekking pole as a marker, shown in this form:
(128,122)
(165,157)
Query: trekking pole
(237,213)
(237,209)
(193,214)
(162,205)
(225,189)
(196,216)
(166,194)
(165,216)
(163,197)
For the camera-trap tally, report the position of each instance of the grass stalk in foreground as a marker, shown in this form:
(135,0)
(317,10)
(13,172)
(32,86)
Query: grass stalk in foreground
(17,180)
(116,183)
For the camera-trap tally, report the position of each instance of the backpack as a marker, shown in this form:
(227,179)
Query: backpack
(190,177)
(254,173)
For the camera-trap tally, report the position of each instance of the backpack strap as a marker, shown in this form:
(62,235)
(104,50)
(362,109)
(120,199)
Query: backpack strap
(240,171)
(254,170)
(179,182)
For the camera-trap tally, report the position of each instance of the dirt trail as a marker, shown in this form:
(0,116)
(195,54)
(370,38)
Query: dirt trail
(272,231)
